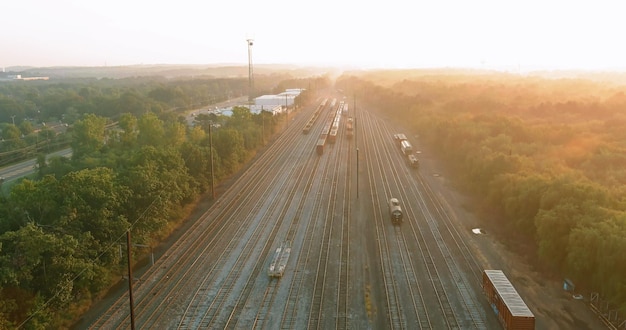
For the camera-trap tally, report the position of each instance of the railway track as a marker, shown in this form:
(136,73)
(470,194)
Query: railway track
(380,195)
(453,249)
(422,271)
(433,263)
(192,249)
(343,315)
(319,284)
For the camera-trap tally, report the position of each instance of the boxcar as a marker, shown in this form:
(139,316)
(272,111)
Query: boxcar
(509,307)
(399,137)
(406,147)
(319,147)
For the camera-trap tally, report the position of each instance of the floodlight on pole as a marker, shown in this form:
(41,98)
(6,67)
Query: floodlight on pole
(250,73)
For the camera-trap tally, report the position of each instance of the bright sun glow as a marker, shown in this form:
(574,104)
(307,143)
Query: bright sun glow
(522,35)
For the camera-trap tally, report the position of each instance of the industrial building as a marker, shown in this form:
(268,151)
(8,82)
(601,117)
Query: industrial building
(284,99)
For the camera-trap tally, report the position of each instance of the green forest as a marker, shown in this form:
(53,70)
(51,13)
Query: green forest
(543,159)
(136,165)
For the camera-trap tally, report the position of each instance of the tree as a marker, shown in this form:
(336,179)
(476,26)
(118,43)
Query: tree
(160,184)
(88,136)
(26,127)
(12,138)
(176,133)
(92,202)
(35,201)
(151,130)
(130,130)
(241,117)
(229,145)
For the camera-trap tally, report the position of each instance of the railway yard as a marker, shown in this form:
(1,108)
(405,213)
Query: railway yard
(324,218)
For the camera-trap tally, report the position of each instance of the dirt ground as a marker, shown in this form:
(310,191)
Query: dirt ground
(553,307)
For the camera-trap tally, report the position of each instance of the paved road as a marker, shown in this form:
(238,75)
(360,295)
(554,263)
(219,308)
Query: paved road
(16,171)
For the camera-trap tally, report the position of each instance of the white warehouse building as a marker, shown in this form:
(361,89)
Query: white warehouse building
(274,100)
(283,99)
(254,109)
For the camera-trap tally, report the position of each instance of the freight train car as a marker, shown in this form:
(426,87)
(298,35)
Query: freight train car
(319,147)
(332,136)
(321,142)
(509,307)
(336,121)
(406,147)
(318,111)
(349,128)
(399,137)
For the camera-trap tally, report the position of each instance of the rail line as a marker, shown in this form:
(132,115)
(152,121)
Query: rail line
(181,258)
(342,318)
(269,294)
(315,310)
(393,302)
(445,240)
(213,277)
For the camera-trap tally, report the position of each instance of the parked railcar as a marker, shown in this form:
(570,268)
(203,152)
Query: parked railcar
(511,310)
(399,137)
(332,136)
(406,147)
(349,128)
(319,147)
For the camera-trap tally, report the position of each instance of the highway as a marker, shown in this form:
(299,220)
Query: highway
(349,266)
(16,171)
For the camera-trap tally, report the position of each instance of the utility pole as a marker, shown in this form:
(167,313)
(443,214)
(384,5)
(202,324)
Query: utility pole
(263,124)
(130,282)
(356,144)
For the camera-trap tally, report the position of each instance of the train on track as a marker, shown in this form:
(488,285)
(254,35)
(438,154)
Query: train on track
(331,128)
(334,127)
(395,211)
(279,261)
(349,128)
(407,149)
(509,307)
(314,116)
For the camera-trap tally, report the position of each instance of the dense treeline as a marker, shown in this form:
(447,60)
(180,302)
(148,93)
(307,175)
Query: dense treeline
(545,160)
(26,106)
(60,233)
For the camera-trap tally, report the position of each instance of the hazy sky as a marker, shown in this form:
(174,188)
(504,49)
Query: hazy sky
(526,34)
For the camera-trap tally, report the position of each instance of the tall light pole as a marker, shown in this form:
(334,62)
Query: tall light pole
(250,74)
(211,155)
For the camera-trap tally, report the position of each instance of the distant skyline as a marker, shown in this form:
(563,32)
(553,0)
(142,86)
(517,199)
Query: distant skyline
(504,35)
